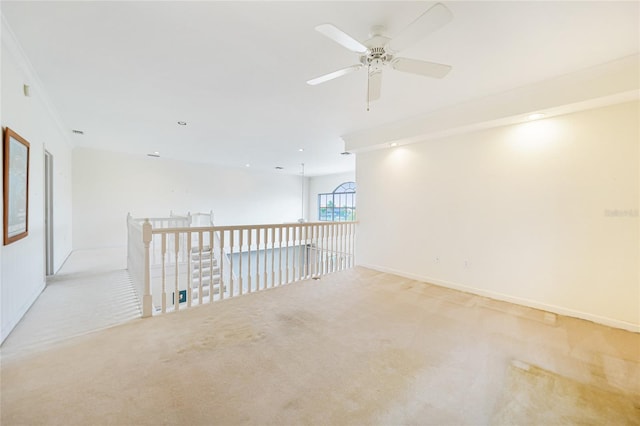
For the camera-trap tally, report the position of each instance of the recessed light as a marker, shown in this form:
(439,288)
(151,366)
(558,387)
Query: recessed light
(392,144)
(345,153)
(182,123)
(247,165)
(78,132)
(279,168)
(536,116)
(301,150)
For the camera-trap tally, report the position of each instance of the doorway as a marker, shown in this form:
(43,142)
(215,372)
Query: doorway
(48,212)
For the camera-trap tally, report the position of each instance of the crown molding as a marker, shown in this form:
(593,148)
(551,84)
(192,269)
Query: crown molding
(11,45)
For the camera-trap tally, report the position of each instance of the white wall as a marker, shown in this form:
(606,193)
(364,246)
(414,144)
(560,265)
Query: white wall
(22,276)
(323,184)
(107,185)
(544,213)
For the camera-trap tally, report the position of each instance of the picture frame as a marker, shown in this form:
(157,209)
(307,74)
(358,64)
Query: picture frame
(15,187)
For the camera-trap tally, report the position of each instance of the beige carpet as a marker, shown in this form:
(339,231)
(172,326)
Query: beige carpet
(357,347)
(536,396)
(92,291)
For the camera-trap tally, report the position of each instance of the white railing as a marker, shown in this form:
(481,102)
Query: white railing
(197,265)
(135,254)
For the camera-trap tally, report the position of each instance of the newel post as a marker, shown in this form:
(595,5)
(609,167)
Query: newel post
(146,299)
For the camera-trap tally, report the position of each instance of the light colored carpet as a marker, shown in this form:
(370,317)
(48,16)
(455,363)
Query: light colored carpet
(357,347)
(92,291)
(536,396)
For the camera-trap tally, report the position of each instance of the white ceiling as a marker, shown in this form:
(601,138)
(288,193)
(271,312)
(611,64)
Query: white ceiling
(126,72)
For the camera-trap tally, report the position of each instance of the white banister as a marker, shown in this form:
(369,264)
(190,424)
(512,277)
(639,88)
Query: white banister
(146,300)
(177,267)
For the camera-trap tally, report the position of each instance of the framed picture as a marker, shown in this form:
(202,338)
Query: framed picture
(15,187)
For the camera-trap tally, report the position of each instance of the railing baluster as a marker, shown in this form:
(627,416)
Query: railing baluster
(233,278)
(249,261)
(303,251)
(176,294)
(319,250)
(273,254)
(258,259)
(294,255)
(353,244)
(241,231)
(315,248)
(348,246)
(275,247)
(264,277)
(147,300)
(189,272)
(200,244)
(164,278)
(280,257)
(211,257)
(325,248)
(333,248)
(311,253)
(221,264)
(342,251)
(287,255)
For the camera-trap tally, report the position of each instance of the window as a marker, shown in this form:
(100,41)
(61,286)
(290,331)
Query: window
(339,205)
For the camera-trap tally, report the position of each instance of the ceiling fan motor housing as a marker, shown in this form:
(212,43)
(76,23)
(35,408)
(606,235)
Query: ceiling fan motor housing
(375,58)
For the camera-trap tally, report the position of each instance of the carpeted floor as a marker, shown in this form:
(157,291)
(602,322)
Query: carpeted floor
(92,291)
(357,347)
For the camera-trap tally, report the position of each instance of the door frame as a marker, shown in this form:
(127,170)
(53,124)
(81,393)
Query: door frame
(48,213)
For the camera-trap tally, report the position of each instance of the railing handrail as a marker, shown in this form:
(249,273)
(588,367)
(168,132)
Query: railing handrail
(244,227)
(172,218)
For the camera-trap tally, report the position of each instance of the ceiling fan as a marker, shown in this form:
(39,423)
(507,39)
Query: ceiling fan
(379,51)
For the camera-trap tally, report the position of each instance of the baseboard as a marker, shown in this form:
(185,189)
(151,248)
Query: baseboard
(610,322)
(8,328)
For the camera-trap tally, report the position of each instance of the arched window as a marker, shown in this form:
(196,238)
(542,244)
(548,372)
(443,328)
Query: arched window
(339,205)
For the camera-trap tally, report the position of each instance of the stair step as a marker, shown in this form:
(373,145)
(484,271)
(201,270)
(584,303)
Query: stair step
(197,249)
(205,272)
(205,281)
(205,291)
(206,261)
(205,255)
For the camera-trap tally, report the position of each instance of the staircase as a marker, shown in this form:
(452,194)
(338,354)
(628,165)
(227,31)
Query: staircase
(205,273)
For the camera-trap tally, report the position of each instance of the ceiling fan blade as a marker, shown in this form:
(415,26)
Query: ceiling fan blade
(375,83)
(435,17)
(333,75)
(341,38)
(415,66)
